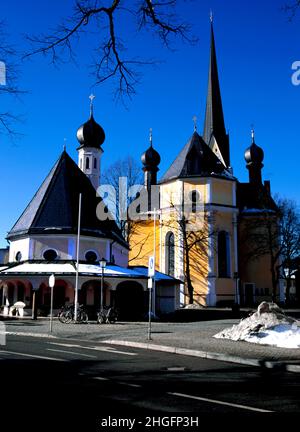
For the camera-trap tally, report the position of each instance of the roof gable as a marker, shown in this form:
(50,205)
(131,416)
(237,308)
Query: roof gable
(195,159)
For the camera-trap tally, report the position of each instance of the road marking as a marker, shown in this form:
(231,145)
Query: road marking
(176,369)
(219,402)
(33,356)
(71,352)
(101,378)
(129,384)
(95,348)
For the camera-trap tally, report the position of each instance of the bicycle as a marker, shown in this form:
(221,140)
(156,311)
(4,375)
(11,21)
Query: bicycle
(67,314)
(107,316)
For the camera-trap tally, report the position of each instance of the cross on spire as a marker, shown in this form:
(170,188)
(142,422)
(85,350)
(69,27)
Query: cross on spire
(252,133)
(195,123)
(91,97)
(211,16)
(150,136)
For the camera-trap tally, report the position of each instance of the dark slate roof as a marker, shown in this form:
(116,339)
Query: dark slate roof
(251,197)
(195,159)
(54,207)
(214,119)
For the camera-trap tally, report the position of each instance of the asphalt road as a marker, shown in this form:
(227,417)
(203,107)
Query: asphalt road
(46,383)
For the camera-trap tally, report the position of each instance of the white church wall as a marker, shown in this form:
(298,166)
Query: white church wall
(21,246)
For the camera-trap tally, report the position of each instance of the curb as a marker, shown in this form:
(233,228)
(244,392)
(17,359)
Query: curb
(186,351)
(40,335)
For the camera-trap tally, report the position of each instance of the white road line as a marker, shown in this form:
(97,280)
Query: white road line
(129,384)
(71,352)
(101,378)
(33,356)
(95,348)
(219,402)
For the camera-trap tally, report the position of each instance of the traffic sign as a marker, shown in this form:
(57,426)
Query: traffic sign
(51,281)
(150,283)
(151,266)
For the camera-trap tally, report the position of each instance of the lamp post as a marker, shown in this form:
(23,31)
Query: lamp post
(102,264)
(51,285)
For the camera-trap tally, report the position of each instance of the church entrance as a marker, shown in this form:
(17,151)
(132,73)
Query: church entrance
(131,301)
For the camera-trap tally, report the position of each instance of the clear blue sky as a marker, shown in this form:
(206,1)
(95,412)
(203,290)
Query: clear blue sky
(256,46)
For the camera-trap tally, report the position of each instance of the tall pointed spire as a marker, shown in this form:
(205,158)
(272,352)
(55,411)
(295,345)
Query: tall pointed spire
(214,125)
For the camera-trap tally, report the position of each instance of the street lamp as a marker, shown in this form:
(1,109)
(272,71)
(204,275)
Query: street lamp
(102,264)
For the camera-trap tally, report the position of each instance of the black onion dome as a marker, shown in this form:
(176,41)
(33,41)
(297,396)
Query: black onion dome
(90,134)
(150,158)
(254,154)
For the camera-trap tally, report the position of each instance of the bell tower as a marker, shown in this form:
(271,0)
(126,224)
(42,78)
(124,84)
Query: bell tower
(90,136)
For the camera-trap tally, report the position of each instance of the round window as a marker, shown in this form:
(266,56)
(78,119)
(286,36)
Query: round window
(50,255)
(91,256)
(18,256)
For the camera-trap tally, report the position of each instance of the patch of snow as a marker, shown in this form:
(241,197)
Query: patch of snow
(267,326)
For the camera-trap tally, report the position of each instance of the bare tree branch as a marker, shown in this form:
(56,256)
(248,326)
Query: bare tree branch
(110,61)
(292,8)
(8,82)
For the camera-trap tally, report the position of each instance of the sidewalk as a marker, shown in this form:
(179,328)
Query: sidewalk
(192,338)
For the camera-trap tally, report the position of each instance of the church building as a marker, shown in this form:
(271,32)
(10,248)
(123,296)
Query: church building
(193,225)
(202,213)
(44,241)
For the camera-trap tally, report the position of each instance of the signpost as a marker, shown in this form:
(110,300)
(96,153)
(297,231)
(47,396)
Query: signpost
(51,285)
(151,273)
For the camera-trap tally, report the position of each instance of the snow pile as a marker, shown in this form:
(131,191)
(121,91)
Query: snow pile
(267,326)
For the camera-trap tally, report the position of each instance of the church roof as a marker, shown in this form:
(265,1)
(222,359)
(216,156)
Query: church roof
(54,207)
(214,124)
(195,159)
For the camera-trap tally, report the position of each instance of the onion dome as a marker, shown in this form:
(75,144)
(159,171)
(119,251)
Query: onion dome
(91,134)
(150,158)
(254,154)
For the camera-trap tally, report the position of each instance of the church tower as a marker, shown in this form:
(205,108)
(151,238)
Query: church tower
(150,159)
(254,156)
(214,133)
(90,136)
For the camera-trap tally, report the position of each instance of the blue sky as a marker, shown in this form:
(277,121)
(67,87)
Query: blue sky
(256,46)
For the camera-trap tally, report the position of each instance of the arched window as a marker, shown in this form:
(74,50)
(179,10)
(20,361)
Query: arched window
(95,163)
(223,254)
(194,196)
(87,163)
(170,254)
(50,255)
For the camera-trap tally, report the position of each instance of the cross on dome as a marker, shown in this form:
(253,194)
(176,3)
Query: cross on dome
(91,97)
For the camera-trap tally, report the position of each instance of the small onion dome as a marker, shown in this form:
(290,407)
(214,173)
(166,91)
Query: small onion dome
(254,154)
(90,134)
(150,158)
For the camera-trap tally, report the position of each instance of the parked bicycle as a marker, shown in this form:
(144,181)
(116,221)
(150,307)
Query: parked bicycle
(67,314)
(107,316)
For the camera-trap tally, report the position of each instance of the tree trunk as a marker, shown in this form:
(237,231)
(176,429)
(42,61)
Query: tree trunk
(287,290)
(188,276)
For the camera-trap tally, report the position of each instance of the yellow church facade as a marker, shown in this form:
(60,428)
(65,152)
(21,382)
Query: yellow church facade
(201,214)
